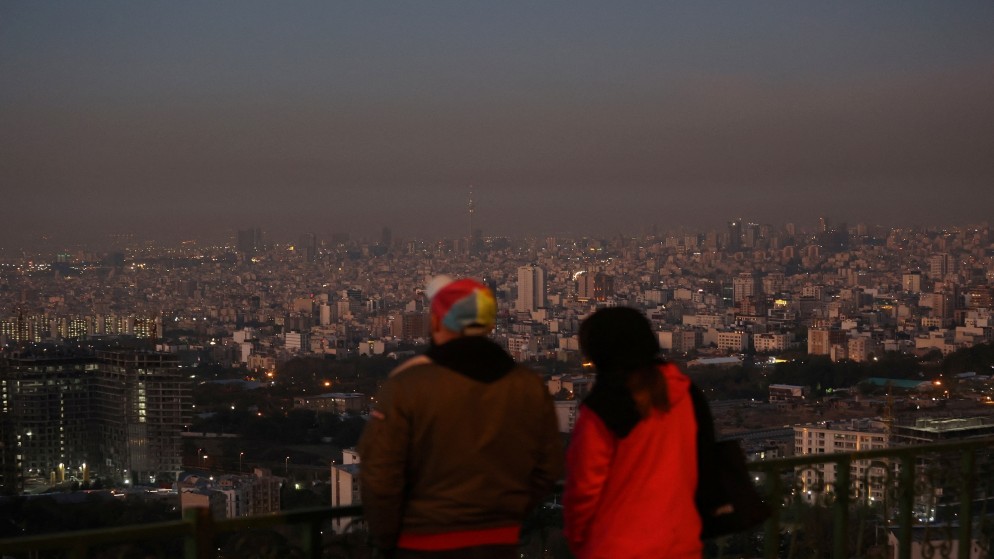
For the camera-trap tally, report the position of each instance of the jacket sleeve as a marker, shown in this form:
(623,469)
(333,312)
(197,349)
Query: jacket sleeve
(549,466)
(383,454)
(588,462)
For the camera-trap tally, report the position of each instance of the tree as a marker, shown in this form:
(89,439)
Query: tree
(972,359)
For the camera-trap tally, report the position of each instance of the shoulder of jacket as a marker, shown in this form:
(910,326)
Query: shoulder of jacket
(410,363)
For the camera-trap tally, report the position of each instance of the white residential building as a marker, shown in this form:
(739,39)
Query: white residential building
(734,342)
(531,288)
(771,342)
(842,437)
(344,492)
(566,412)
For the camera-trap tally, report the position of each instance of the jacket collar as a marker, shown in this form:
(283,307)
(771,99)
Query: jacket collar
(476,357)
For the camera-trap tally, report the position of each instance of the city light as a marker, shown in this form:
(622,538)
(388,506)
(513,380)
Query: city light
(241,338)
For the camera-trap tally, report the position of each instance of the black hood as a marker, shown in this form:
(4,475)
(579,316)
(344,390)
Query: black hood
(476,357)
(611,400)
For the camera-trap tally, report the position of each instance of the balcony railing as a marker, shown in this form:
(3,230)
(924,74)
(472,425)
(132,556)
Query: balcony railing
(934,500)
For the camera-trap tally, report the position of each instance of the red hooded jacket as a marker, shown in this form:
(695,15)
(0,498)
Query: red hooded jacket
(634,497)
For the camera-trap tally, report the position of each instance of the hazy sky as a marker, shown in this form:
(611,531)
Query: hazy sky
(194,118)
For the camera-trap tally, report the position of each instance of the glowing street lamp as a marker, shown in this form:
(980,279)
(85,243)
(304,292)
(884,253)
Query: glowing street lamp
(240,454)
(286,465)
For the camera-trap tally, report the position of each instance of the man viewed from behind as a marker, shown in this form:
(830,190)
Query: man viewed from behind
(462,442)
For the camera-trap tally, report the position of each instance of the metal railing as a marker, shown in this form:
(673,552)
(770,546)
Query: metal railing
(934,500)
(303,534)
(931,500)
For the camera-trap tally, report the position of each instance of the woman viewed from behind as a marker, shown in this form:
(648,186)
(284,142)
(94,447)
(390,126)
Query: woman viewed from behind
(632,461)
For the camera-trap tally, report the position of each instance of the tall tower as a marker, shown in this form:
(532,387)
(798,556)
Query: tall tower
(475,244)
(472,212)
(734,235)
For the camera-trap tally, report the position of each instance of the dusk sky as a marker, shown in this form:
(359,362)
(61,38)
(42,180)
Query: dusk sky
(191,119)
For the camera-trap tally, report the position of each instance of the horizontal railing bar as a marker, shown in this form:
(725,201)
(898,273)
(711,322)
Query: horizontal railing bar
(301,516)
(890,452)
(172,528)
(313,516)
(66,540)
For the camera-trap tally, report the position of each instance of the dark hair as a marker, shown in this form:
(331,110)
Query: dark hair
(623,347)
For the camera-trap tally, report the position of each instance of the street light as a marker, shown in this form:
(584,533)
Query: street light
(286,464)
(205,461)
(240,454)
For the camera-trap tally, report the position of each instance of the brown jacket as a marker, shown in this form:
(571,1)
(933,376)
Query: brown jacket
(463,440)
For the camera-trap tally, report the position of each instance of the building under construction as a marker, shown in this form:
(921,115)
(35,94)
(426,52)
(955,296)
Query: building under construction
(114,414)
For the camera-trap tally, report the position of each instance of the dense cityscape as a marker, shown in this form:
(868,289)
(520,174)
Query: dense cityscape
(750,293)
(238,377)
(230,226)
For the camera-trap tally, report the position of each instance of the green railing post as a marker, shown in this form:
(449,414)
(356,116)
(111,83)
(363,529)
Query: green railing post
(906,502)
(201,534)
(200,544)
(771,543)
(312,539)
(78,551)
(966,504)
(840,546)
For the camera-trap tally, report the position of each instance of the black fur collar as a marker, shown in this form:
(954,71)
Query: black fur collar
(477,357)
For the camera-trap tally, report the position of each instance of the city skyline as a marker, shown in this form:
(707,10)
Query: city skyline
(186,120)
(44,246)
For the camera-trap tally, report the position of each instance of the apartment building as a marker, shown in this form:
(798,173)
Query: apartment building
(733,342)
(116,414)
(842,437)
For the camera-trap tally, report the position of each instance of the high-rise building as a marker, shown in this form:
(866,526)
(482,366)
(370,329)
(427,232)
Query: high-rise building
(821,340)
(939,265)
(531,288)
(249,240)
(911,282)
(142,403)
(415,325)
(734,235)
(750,235)
(307,246)
(979,297)
(597,287)
(47,410)
(116,414)
(745,285)
(603,287)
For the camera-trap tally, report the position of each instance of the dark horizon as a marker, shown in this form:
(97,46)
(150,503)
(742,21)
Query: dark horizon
(51,244)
